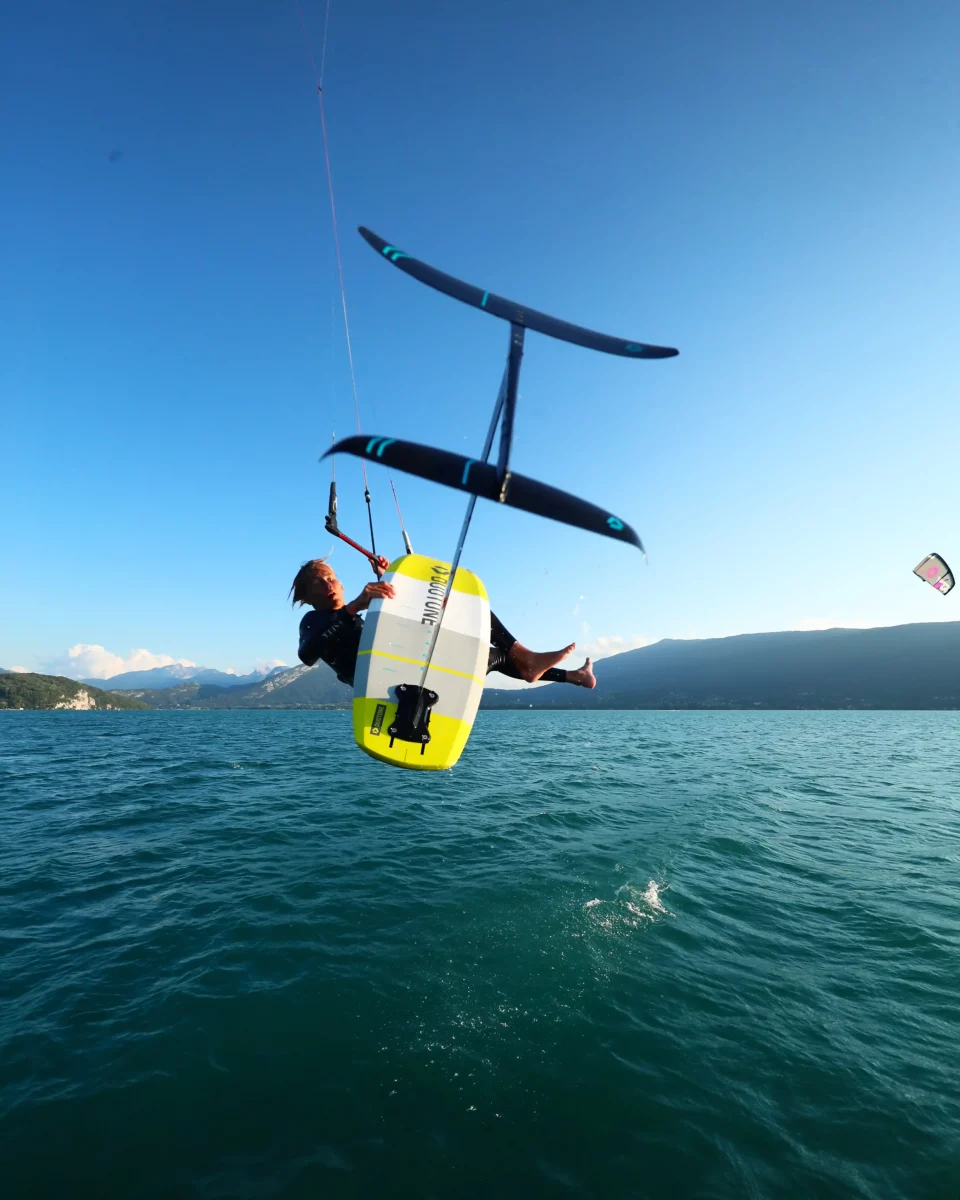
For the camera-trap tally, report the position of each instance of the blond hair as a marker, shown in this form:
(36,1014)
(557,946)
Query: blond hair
(306,577)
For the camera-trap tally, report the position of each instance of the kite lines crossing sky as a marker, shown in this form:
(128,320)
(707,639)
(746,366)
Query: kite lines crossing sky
(475,476)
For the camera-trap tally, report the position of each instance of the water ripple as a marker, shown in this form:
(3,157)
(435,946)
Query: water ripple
(609,955)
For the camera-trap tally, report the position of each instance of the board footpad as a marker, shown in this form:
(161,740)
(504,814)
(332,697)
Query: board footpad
(411,722)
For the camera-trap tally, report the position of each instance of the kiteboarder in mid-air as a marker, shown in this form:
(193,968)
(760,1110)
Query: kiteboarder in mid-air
(332,631)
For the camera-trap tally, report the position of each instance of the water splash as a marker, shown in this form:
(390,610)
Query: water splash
(630,908)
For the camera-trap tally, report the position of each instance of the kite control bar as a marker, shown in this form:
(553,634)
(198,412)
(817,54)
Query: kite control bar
(378,562)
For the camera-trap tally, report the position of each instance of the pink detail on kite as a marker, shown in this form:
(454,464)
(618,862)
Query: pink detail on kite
(931,572)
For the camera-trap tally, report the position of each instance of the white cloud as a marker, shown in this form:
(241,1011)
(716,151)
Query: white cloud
(84,661)
(96,662)
(21,670)
(607,647)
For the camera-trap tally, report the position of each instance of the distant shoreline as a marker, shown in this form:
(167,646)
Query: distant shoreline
(517,708)
(899,668)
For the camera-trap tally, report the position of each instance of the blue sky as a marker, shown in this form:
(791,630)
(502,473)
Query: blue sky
(773,190)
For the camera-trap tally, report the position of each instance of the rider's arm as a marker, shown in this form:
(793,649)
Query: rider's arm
(373,591)
(313,631)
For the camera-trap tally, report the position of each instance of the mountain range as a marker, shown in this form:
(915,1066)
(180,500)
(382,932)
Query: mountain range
(899,666)
(174,675)
(289,687)
(902,666)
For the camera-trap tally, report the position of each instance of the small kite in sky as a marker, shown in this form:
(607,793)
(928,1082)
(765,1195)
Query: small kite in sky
(935,571)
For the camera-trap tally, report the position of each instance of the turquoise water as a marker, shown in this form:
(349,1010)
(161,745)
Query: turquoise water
(610,955)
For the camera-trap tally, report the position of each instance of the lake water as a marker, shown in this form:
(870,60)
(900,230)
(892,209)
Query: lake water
(610,955)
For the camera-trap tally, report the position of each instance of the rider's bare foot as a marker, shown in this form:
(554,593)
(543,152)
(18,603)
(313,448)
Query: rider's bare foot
(531,666)
(584,677)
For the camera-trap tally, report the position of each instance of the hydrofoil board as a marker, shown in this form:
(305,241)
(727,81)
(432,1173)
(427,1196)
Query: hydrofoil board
(395,645)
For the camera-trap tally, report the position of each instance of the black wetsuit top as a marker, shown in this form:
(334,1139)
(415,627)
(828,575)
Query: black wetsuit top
(334,637)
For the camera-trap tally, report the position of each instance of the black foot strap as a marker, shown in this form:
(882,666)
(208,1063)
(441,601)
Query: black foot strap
(412,721)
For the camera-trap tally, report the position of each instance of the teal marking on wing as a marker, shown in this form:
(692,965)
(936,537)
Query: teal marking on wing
(509,310)
(383,445)
(615,523)
(466,471)
(370,445)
